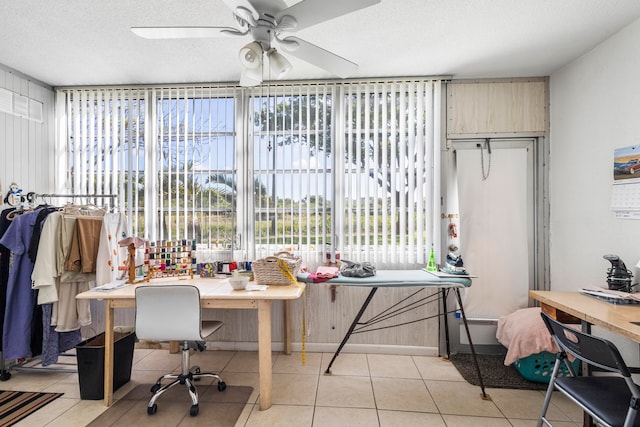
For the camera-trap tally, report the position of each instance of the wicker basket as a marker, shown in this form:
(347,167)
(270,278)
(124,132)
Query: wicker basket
(280,269)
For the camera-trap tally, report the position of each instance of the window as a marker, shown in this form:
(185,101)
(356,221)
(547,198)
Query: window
(319,169)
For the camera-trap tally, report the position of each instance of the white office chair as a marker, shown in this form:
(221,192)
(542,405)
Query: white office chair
(173,313)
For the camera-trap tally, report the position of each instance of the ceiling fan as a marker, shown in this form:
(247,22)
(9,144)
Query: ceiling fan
(267,23)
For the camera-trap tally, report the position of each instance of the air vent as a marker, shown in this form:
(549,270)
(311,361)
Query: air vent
(22,106)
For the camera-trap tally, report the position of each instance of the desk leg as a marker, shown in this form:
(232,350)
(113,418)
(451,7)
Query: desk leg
(287,327)
(108,355)
(264,353)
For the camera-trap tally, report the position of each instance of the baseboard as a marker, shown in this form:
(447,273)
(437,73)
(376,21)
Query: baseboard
(329,348)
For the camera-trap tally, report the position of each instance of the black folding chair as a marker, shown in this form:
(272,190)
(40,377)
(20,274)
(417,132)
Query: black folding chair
(611,399)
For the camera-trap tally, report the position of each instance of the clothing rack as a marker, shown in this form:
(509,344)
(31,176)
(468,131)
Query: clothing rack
(32,196)
(34,363)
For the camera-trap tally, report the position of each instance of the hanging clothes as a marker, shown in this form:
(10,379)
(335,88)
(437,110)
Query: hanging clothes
(5,256)
(45,278)
(18,333)
(84,245)
(111,256)
(45,272)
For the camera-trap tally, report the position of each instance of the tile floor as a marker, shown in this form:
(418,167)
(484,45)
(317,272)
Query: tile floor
(365,390)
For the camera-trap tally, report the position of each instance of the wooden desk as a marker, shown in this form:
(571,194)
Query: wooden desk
(214,294)
(591,311)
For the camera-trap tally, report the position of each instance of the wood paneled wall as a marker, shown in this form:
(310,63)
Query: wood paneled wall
(497,108)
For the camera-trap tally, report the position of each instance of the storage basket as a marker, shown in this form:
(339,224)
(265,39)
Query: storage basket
(280,269)
(539,367)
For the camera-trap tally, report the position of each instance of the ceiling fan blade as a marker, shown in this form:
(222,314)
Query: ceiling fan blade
(184,32)
(312,12)
(318,56)
(244,9)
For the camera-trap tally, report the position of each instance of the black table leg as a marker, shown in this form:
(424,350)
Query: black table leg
(445,314)
(473,351)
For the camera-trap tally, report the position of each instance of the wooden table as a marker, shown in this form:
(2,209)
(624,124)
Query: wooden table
(574,307)
(591,311)
(214,294)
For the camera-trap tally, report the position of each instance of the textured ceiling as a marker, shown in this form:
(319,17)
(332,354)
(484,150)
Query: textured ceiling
(89,42)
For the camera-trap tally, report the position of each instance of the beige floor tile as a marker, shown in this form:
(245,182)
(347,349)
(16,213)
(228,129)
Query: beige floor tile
(292,364)
(345,417)
(402,394)
(250,379)
(533,423)
(244,416)
(406,391)
(523,404)
(50,412)
(436,368)
(469,421)
(564,404)
(80,414)
(343,391)
(211,360)
(70,390)
(160,360)
(294,389)
(32,380)
(409,419)
(346,364)
(244,361)
(281,416)
(141,376)
(461,398)
(392,366)
(140,353)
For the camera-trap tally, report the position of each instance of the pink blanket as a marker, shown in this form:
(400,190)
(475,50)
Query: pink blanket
(524,333)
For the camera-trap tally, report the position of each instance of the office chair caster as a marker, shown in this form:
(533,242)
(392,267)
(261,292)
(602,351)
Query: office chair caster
(194,410)
(222,386)
(155,388)
(152,409)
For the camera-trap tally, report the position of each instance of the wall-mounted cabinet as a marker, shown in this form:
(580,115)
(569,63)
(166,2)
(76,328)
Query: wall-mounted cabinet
(477,108)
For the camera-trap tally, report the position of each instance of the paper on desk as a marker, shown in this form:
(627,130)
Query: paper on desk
(110,286)
(256,288)
(609,293)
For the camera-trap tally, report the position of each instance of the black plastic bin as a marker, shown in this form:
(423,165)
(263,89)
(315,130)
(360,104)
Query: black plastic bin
(90,355)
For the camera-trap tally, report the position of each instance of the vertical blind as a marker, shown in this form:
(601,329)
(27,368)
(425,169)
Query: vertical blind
(387,178)
(318,168)
(292,169)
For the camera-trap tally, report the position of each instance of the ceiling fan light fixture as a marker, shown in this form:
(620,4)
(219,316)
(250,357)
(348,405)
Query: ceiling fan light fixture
(251,77)
(278,64)
(251,55)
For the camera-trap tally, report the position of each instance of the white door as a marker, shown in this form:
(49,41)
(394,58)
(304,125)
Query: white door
(495,200)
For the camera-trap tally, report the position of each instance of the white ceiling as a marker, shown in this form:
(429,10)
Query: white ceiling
(89,42)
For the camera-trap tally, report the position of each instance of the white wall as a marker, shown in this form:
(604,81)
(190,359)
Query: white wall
(595,108)
(26,146)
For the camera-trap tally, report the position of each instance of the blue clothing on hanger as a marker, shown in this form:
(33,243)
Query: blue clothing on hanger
(21,297)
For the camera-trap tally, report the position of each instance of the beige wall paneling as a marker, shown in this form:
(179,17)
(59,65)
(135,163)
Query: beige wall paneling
(327,321)
(497,108)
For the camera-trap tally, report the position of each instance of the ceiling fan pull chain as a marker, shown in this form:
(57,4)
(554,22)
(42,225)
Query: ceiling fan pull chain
(485,175)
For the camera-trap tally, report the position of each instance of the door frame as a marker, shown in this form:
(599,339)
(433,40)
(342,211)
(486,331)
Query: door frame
(539,262)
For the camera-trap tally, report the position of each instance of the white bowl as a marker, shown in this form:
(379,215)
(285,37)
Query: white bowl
(238,283)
